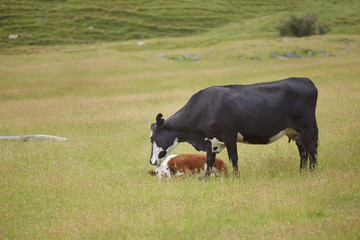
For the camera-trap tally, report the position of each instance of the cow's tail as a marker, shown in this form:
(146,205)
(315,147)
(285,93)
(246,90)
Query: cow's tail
(314,147)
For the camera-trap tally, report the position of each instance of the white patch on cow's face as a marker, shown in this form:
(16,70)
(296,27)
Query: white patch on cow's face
(288,132)
(155,154)
(216,145)
(155,160)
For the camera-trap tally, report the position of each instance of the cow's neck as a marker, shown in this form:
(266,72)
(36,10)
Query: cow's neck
(178,128)
(186,134)
(182,121)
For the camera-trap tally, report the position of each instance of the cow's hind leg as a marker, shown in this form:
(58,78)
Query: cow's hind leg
(307,146)
(312,151)
(303,154)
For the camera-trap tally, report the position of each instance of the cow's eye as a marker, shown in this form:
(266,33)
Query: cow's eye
(162,154)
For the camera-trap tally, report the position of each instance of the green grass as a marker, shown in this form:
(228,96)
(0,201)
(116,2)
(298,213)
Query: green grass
(104,96)
(43,23)
(104,99)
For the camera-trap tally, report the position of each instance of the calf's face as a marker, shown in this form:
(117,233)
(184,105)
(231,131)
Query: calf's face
(163,172)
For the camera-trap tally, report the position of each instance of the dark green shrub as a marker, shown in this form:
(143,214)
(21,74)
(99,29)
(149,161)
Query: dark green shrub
(324,29)
(300,27)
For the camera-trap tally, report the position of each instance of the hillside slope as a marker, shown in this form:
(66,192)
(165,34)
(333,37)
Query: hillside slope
(39,22)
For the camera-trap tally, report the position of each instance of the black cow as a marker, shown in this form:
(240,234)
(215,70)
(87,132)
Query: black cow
(220,116)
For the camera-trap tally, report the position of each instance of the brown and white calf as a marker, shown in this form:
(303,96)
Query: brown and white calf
(175,165)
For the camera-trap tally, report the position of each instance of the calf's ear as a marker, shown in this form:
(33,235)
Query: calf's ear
(160,120)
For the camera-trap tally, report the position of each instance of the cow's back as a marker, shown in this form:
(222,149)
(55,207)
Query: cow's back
(257,106)
(268,95)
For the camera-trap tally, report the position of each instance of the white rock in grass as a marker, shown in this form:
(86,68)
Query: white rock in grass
(13,37)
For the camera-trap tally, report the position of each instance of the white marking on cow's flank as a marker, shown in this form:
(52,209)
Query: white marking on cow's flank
(240,138)
(288,132)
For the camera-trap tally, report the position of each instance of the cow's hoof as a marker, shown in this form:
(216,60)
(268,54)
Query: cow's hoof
(204,178)
(236,174)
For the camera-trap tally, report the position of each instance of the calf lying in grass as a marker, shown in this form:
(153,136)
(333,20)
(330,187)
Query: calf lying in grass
(187,163)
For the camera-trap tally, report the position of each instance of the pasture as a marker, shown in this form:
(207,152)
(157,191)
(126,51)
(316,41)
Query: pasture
(104,97)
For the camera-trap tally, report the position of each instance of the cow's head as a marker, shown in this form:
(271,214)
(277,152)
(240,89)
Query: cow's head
(163,141)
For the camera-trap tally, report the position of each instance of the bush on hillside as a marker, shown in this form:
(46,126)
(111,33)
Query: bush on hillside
(324,29)
(300,27)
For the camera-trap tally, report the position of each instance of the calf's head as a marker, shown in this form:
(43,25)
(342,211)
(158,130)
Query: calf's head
(163,172)
(163,141)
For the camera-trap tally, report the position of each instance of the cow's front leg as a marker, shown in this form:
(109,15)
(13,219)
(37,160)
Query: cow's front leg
(233,156)
(210,159)
(234,161)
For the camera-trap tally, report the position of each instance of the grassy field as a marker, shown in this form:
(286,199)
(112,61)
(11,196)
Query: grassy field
(39,22)
(104,99)
(104,96)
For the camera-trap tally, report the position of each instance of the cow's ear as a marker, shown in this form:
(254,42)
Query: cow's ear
(159,120)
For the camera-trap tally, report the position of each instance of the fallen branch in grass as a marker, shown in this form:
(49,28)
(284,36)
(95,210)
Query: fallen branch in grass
(34,137)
